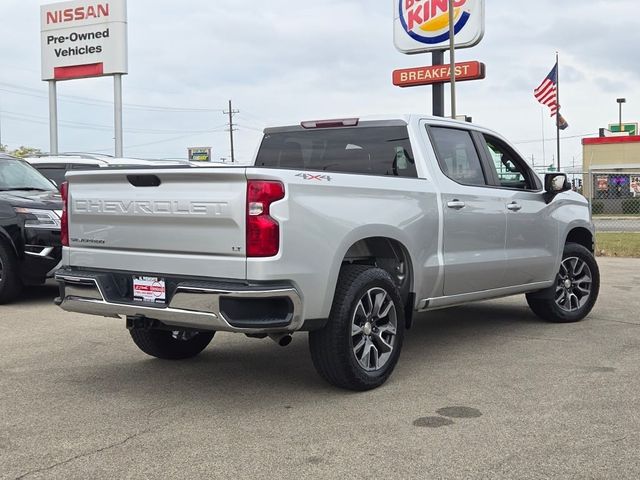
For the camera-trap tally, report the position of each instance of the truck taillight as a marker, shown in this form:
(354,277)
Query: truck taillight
(64,220)
(263,232)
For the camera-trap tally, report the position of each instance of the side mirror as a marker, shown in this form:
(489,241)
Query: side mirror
(555,183)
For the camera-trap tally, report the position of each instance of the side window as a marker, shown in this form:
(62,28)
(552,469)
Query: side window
(53,172)
(457,155)
(511,169)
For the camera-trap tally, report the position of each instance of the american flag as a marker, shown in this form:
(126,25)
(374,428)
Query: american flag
(547,92)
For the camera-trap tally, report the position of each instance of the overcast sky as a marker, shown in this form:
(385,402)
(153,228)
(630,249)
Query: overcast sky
(282,62)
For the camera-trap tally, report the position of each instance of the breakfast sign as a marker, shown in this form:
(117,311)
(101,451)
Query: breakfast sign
(410,77)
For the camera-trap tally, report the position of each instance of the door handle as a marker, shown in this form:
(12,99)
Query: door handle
(514,207)
(456,204)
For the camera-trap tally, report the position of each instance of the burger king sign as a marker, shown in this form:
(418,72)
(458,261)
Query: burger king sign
(423,25)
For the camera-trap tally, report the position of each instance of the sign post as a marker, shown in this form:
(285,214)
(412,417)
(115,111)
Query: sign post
(117,112)
(83,39)
(437,91)
(433,26)
(53,117)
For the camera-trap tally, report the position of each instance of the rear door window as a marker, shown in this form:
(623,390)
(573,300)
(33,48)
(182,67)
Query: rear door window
(361,150)
(458,156)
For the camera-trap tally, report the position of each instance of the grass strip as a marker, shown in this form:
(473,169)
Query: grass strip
(623,244)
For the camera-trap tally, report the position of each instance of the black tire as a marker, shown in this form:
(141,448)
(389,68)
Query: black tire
(332,347)
(169,346)
(10,284)
(546,304)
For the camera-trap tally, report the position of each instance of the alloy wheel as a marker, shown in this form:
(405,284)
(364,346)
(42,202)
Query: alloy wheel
(573,287)
(373,329)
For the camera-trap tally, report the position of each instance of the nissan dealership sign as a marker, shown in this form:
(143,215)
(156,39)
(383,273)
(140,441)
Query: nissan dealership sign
(83,39)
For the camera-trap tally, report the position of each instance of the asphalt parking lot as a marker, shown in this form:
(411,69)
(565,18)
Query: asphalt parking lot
(481,391)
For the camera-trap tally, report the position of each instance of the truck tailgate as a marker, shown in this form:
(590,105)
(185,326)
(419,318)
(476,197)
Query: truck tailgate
(166,221)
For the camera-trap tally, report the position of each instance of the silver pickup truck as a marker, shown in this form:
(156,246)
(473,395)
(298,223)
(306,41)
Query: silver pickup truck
(342,228)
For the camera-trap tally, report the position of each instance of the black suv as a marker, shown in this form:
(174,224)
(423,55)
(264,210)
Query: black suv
(30,211)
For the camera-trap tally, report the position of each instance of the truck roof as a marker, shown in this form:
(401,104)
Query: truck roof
(383,120)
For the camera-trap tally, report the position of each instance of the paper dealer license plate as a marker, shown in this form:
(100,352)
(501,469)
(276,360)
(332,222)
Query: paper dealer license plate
(149,289)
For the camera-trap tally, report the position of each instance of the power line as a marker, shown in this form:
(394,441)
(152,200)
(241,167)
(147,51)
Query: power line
(257,119)
(37,93)
(92,126)
(261,130)
(523,142)
(166,140)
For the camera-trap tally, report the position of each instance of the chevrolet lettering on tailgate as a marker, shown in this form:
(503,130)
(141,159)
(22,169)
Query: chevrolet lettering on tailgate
(144,208)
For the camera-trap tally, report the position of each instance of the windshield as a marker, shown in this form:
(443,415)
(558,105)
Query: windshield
(18,175)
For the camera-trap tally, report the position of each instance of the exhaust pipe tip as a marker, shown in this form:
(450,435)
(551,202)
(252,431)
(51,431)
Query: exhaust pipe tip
(282,339)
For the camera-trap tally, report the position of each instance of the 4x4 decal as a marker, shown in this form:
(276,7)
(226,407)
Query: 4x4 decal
(319,178)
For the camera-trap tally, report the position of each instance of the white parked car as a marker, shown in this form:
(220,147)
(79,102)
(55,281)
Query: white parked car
(55,167)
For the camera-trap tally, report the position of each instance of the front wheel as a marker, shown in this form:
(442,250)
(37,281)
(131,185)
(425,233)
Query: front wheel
(360,345)
(168,345)
(10,284)
(575,291)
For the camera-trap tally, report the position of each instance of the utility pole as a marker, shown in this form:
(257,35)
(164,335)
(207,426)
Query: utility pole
(231,113)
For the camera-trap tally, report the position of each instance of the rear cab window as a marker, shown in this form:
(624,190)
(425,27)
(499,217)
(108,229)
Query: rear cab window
(369,150)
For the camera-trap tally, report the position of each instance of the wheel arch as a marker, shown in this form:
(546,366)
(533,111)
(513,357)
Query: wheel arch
(5,238)
(386,253)
(582,236)
(383,248)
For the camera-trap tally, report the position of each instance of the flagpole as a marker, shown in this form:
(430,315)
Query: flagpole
(544,141)
(558,101)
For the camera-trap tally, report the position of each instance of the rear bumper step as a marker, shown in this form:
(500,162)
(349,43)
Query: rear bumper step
(193,304)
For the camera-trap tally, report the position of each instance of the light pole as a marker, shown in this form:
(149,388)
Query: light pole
(620,102)
(452,53)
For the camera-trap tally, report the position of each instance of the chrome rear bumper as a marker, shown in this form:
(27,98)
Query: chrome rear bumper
(195,307)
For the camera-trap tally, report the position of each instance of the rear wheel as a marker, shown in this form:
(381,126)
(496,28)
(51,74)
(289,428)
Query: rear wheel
(10,284)
(575,291)
(360,345)
(168,345)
